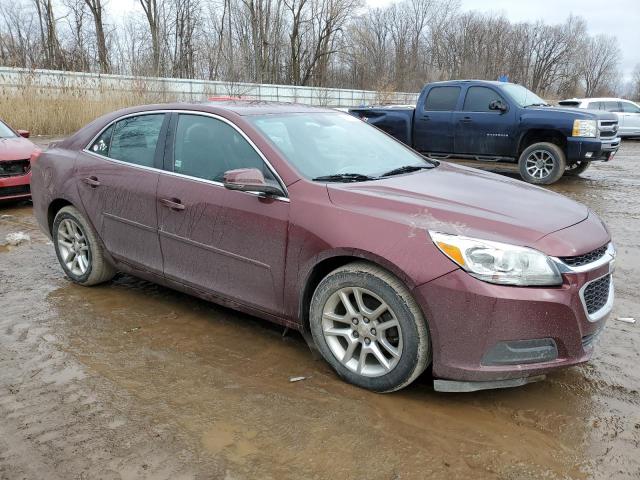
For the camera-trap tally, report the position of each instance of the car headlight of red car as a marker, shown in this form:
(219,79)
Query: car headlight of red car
(497,262)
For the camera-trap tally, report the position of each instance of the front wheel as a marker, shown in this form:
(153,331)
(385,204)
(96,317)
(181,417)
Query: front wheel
(542,163)
(576,168)
(369,328)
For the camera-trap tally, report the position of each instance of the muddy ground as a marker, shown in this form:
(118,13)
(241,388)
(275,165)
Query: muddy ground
(131,380)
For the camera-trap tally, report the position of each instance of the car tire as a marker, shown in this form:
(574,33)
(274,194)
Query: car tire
(542,163)
(78,250)
(576,168)
(383,353)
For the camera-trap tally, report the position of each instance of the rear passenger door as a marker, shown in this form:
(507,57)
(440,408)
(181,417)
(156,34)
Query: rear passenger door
(117,177)
(432,127)
(228,243)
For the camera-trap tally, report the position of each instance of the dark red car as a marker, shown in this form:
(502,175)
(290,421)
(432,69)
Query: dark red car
(15,167)
(315,220)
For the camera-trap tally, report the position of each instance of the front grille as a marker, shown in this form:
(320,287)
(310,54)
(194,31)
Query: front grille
(596,294)
(590,257)
(608,128)
(14,168)
(589,340)
(17,190)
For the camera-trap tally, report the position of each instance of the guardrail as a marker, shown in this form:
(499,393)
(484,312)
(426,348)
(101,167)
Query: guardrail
(57,83)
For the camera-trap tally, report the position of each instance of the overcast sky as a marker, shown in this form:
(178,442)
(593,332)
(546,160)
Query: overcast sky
(616,17)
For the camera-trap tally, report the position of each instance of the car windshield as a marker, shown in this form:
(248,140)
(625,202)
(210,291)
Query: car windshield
(522,96)
(339,146)
(6,132)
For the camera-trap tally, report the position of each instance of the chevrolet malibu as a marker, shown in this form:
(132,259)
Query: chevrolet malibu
(387,262)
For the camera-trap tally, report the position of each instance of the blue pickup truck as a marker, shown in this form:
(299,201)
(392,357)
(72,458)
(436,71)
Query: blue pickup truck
(500,122)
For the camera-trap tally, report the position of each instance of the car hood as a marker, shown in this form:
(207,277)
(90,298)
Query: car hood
(15,148)
(464,201)
(577,112)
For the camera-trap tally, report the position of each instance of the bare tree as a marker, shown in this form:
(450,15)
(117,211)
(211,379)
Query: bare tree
(97,11)
(599,61)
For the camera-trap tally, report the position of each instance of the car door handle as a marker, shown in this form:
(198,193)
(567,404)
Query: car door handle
(91,181)
(466,120)
(426,117)
(172,203)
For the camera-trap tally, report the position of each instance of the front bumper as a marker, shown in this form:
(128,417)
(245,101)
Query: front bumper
(580,149)
(15,187)
(473,322)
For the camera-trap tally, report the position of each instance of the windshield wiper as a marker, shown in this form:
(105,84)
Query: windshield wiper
(344,177)
(538,105)
(407,169)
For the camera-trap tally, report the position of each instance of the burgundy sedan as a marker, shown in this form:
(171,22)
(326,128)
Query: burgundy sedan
(15,166)
(315,220)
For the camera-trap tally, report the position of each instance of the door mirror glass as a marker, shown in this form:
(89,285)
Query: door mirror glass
(24,133)
(498,105)
(249,180)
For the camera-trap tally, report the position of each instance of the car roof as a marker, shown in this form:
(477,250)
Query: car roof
(247,107)
(596,99)
(463,82)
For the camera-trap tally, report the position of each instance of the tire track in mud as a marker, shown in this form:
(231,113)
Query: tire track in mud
(55,420)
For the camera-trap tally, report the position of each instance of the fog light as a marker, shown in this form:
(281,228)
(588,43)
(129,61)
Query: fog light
(521,351)
(588,155)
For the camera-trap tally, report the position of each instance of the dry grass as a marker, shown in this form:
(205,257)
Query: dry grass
(61,111)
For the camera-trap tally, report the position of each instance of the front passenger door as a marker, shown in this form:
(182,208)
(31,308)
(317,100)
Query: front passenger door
(228,243)
(629,119)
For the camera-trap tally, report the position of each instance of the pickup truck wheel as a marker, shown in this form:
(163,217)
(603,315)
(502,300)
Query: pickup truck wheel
(368,327)
(576,168)
(542,163)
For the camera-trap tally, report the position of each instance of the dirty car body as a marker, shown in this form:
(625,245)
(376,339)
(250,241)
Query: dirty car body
(15,166)
(171,210)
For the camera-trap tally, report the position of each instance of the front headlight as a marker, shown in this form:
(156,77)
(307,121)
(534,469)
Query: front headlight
(497,262)
(584,128)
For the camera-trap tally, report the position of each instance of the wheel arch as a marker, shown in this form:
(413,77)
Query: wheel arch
(536,135)
(54,207)
(336,259)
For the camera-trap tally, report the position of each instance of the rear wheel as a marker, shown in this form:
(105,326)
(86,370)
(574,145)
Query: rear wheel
(78,250)
(369,328)
(576,168)
(542,163)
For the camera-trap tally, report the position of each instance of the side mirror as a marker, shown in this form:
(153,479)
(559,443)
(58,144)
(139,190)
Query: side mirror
(24,133)
(249,180)
(498,105)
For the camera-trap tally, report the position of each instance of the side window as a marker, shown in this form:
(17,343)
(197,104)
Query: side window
(628,107)
(479,98)
(612,106)
(596,106)
(102,143)
(442,99)
(206,147)
(134,139)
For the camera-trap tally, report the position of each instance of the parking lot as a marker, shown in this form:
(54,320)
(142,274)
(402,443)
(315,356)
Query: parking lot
(132,380)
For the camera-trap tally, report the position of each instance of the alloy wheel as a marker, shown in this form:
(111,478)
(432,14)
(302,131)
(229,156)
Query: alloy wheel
(362,331)
(73,247)
(540,164)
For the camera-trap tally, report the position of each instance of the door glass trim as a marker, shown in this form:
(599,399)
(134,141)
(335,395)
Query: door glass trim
(86,149)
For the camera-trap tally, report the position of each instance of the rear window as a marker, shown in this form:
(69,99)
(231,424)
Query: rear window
(612,106)
(442,99)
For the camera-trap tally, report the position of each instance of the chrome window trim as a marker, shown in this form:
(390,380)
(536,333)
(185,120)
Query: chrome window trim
(606,308)
(278,178)
(608,257)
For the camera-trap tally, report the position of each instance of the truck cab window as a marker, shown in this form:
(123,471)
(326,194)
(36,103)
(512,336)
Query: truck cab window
(442,99)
